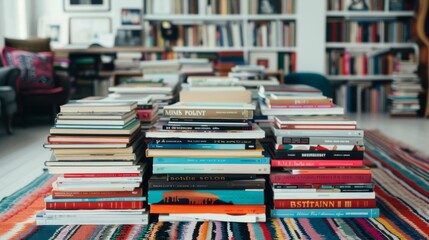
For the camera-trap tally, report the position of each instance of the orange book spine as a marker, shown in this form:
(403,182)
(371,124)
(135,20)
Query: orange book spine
(228,209)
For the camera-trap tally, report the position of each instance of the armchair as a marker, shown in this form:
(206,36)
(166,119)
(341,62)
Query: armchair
(48,99)
(8,106)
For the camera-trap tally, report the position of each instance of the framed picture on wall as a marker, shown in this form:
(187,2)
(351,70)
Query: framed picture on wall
(131,16)
(54,28)
(86,5)
(85,30)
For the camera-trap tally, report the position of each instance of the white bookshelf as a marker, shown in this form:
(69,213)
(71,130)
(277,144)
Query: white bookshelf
(370,14)
(244,18)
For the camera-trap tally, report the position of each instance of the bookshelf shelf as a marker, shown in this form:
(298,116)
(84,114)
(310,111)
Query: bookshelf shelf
(369,45)
(274,49)
(377,14)
(194,17)
(271,17)
(207,49)
(362,78)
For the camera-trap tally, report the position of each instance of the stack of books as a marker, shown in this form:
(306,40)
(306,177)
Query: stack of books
(295,100)
(206,159)
(406,88)
(127,61)
(318,169)
(248,72)
(97,152)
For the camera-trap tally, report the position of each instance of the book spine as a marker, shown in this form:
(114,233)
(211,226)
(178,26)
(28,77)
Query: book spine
(209,177)
(160,161)
(324,195)
(282,178)
(99,175)
(326,213)
(319,133)
(324,203)
(225,209)
(207,197)
(203,141)
(145,115)
(274,102)
(318,147)
(105,199)
(190,120)
(97,194)
(316,163)
(301,105)
(202,146)
(94,205)
(165,185)
(208,113)
(206,128)
(320,155)
(211,168)
(320,140)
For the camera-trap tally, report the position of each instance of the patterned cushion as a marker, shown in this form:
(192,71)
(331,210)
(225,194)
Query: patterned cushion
(36,68)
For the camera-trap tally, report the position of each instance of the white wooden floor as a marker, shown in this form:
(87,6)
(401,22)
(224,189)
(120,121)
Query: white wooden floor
(22,154)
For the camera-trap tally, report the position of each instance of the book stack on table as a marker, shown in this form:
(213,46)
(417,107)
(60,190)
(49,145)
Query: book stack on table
(207,164)
(98,155)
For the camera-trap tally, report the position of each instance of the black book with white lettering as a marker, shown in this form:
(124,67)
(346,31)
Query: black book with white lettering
(318,155)
(209,177)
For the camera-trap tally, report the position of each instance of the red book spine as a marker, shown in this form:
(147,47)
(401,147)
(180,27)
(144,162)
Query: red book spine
(293,58)
(324,203)
(94,205)
(285,178)
(97,194)
(144,115)
(101,175)
(316,163)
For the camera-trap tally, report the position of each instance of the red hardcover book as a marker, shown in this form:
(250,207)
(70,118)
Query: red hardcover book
(287,178)
(293,60)
(324,203)
(316,163)
(94,205)
(138,192)
(101,175)
(145,114)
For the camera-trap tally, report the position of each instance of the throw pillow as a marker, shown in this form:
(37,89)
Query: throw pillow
(36,68)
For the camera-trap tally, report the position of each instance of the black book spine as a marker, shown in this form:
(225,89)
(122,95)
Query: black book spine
(202,141)
(186,185)
(206,128)
(208,177)
(319,155)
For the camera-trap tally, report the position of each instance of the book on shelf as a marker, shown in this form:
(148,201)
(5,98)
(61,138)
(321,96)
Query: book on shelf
(272,33)
(272,6)
(204,7)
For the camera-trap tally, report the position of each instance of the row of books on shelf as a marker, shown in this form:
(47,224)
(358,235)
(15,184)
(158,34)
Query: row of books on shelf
(272,7)
(369,62)
(227,35)
(272,34)
(368,30)
(370,5)
(203,7)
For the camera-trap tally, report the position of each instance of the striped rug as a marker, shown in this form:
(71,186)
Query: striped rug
(401,175)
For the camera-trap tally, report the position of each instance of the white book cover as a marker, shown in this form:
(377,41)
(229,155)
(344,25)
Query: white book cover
(336,110)
(316,133)
(188,105)
(256,133)
(325,195)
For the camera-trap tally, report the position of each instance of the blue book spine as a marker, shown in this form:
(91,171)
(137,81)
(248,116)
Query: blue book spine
(325,213)
(206,196)
(198,146)
(117,199)
(263,160)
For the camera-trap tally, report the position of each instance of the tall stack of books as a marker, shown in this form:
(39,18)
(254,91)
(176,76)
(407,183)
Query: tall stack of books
(318,169)
(97,152)
(406,88)
(127,61)
(206,159)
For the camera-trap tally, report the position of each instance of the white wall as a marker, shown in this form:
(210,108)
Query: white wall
(16,15)
(55,8)
(311,35)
